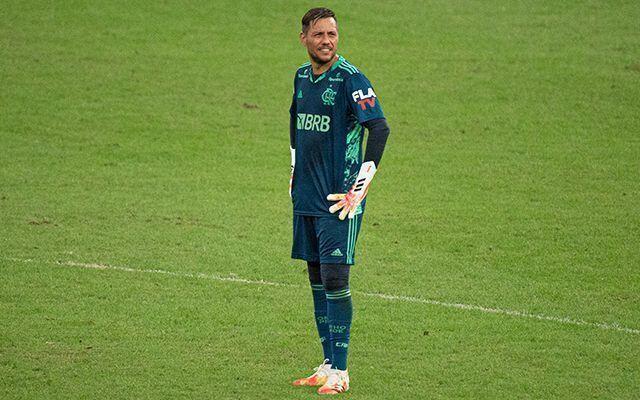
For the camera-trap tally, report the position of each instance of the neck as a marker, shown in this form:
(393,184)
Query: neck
(319,69)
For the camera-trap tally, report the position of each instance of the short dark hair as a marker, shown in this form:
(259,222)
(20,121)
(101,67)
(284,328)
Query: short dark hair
(315,14)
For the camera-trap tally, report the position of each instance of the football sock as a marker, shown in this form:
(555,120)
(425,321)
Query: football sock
(320,307)
(340,313)
(322,323)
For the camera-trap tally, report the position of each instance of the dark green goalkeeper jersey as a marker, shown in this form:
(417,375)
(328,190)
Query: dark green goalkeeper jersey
(328,112)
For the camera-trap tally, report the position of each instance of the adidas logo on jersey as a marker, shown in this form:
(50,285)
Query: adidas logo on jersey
(337,253)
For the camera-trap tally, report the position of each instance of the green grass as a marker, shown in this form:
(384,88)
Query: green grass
(154,136)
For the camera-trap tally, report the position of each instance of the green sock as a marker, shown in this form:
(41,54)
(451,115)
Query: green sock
(340,313)
(322,322)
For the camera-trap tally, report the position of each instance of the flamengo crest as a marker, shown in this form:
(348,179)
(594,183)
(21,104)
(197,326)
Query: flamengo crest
(329,97)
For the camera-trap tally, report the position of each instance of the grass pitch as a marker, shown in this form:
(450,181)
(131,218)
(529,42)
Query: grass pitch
(154,136)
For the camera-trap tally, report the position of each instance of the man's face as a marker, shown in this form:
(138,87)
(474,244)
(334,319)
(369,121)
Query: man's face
(321,40)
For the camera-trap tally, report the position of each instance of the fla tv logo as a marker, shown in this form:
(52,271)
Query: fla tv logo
(365,100)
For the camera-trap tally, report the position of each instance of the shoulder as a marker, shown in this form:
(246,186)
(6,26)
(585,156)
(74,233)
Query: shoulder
(347,67)
(353,75)
(303,69)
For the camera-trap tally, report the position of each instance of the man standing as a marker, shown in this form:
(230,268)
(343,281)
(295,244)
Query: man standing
(332,102)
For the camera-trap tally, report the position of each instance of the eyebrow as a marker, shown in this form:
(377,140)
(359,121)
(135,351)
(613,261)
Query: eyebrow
(313,32)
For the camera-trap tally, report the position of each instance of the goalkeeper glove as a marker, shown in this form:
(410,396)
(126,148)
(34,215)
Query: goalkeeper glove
(293,164)
(350,201)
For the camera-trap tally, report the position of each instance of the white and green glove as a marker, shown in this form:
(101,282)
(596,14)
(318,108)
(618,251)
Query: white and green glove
(350,201)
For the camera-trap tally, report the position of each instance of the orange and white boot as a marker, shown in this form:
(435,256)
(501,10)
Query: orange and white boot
(318,378)
(337,382)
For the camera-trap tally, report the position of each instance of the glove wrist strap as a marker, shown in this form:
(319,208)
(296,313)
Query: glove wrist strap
(365,176)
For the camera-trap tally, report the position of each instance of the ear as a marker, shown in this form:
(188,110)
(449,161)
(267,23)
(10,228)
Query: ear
(303,37)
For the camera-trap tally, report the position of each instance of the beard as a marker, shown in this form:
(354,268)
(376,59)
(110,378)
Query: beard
(318,60)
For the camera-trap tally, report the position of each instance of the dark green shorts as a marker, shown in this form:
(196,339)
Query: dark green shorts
(326,240)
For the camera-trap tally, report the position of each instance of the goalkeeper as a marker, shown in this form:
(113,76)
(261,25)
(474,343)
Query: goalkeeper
(332,104)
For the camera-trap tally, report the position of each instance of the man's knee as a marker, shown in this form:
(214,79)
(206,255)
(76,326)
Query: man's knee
(313,268)
(335,276)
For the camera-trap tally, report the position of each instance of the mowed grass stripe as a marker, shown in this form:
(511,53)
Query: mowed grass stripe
(407,299)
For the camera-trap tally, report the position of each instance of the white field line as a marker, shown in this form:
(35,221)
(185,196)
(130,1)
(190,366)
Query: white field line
(407,299)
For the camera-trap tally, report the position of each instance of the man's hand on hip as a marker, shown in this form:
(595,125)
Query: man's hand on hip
(350,201)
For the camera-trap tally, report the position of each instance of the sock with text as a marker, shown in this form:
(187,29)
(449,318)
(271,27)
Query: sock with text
(322,322)
(340,314)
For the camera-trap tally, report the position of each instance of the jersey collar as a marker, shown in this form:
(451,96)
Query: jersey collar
(321,77)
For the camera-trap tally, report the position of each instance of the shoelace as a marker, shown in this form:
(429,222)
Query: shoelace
(321,366)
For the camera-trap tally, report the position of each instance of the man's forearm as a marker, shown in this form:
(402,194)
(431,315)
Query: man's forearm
(292,132)
(292,148)
(378,134)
